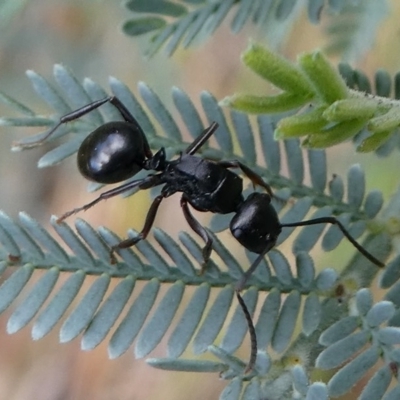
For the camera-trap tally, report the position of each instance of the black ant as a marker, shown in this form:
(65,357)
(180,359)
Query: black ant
(117,151)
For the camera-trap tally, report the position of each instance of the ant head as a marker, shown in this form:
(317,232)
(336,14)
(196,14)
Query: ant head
(256,225)
(113,152)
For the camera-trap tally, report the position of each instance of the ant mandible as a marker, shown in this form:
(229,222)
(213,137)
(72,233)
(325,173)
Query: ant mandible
(118,150)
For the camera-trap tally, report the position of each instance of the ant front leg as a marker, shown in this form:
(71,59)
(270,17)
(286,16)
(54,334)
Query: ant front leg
(253,176)
(200,230)
(245,277)
(335,221)
(201,139)
(252,332)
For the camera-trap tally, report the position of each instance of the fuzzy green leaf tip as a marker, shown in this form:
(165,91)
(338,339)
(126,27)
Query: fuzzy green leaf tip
(264,104)
(386,122)
(276,69)
(348,109)
(324,77)
(335,134)
(301,124)
(373,142)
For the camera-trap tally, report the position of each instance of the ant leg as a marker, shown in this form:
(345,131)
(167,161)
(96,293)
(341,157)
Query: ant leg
(145,183)
(334,221)
(200,230)
(127,116)
(252,332)
(150,217)
(245,277)
(73,115)
(80,112)
(201,139)
(253,176)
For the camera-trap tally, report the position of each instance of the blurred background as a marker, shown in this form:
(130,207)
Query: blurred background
(86,37)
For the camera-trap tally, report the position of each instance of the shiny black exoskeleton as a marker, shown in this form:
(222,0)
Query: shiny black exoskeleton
(113,152)
(117,151)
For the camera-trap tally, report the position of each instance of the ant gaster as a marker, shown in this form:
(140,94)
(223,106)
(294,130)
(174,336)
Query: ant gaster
(117,151)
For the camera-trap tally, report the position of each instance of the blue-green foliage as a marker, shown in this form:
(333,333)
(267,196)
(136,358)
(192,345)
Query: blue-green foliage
(336,315)
(353,31)
(174,24)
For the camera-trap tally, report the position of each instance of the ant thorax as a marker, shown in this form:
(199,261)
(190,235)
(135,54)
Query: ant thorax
(206,185)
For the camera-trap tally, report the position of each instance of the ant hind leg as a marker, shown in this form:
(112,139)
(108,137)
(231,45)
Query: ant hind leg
(80,112)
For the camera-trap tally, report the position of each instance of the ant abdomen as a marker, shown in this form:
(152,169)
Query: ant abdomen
(112,153)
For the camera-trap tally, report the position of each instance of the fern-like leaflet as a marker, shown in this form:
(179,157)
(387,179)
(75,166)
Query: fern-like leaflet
(97,311)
